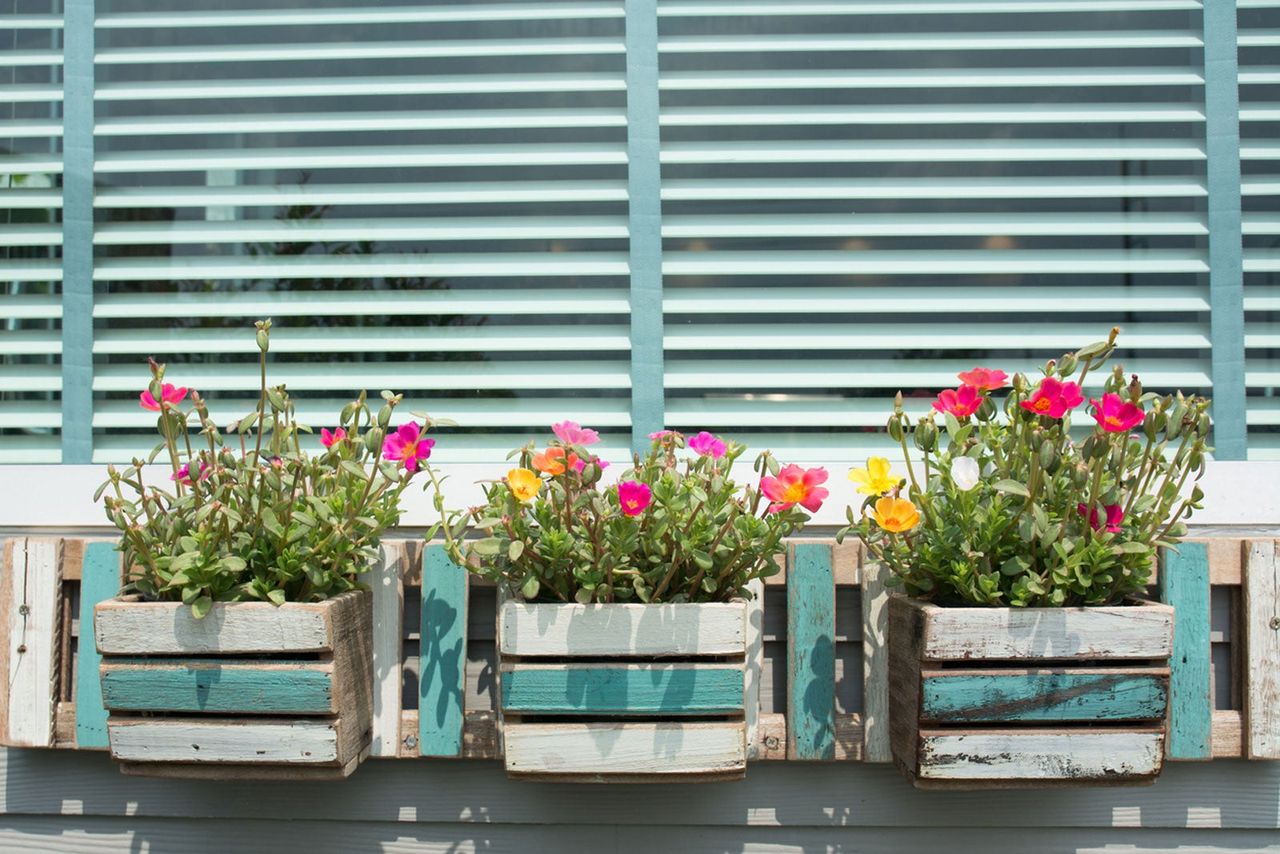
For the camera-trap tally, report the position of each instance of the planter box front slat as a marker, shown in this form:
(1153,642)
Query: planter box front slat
(1131,694)
(219,686)
(229,741)
(1021,757)
(622,689)
(658,751)
(624,631)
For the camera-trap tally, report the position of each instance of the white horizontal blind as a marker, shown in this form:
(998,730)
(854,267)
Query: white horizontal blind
(1259,35)
(861,197)
(30,233)
(425,197)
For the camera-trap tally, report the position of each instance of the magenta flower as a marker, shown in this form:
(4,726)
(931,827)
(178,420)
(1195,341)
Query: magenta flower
(169,394)
(407,444)
(1115,414)
(660,434)
(183,475)
(330,439)
(634,497)
(1115,515)
(984,379)
(795,485)
(961,402)
(571,433)
(578,465)
(1054,398)
(708,445)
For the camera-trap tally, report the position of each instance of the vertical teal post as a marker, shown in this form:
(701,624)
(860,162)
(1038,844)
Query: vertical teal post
(99,581)
(442,661)
(644,188)
(1226,241)
(811,662)
(1184,584)
(77,231)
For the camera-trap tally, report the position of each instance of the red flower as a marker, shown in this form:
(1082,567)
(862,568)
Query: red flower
(984,379)
(795,485)
(1115,414)
(1054,398)
(169,394)
(330,439)
(961,402)
(1115,515)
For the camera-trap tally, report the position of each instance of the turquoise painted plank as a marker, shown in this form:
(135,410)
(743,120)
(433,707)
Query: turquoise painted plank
(213,685)
(99,581)
(701,690)
(993,697)
(1184,584)
(443,655)
(811,663)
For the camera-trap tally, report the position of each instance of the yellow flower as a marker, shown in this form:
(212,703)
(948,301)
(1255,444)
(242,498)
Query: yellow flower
(895,515)
(524,484)
(875,478)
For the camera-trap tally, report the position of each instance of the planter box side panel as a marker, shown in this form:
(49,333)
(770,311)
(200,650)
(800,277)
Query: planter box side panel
(622,631)
(612,751)
(677,689)
(1037,757)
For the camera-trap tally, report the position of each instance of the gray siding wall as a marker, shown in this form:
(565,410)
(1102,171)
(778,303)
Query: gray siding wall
(69,801)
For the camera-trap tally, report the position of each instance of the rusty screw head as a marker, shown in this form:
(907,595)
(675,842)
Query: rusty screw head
(1275,623)
(410,741)
(771,742)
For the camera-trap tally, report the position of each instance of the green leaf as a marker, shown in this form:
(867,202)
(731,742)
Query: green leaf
(1011,486)
(488,547)
(529,590)
(200,608)
(515,550)
(276,597)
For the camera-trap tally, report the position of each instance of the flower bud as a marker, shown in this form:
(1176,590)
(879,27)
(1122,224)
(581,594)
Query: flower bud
(1048,456)
(894,428)
(384,415)
(926,435)
(1067,364)
(373,440)
(986,410)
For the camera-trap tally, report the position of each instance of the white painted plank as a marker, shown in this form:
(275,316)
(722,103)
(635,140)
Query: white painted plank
(225,741)
(387,582)
(1013,755)
(625,748)
(875,664)
(1126,632)
(31,583)
(1262,616)
(552,629)
(754,672)
(168,628)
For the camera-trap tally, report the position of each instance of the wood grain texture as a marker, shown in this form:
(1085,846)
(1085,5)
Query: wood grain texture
(168,628)
(443,655)
(875,664)
(1184,585)
(1228,734)
(607,751)
(30,598)
(753,673)
(241,774)
(635,631)
(231,741)
(479,736)
(1140,631)
(219,686)
(1020,757)
(1079,695)
(387,584)
(811,669)
(1262,630)
(623,689)
(99,582)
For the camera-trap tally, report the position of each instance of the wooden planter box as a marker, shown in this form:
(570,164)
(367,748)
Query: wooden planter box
(623,693)
(1009,697)
(250,691)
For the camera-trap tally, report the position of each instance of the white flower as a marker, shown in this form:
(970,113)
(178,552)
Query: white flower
(965,473)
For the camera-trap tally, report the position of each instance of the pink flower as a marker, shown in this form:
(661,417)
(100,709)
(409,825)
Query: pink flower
(330,439)
(984,379)
(795,485)
(708,445)
(407,444)
(660,434)
(1115,515)
(579,465)
(1054,398)
(961,402)
(634,497)
(1115,414)
(183,475)
(571,433)
(169,393)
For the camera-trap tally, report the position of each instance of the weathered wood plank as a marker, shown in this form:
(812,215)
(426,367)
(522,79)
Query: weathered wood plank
(215,686)
(753,675)
(291,773)
(550,629)
(627,689)
(479,735)
(1228,734)
(1021,757)
(168,628)
(875,664)
(29,598)
(771,738)
(811,668)
(952,696)
(1262,630)
(100,578)
(387,583)
(1140,631)
(602,751)
(224,741)
(443,656)
(1184,585)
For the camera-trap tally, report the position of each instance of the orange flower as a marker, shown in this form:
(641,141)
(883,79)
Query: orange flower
(895,515)
(552,461)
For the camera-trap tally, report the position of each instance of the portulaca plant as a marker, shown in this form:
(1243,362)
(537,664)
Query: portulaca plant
(676,527)
(1001,506)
